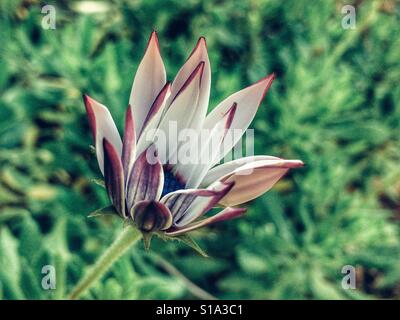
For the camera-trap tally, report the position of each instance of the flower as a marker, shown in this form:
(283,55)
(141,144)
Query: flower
(172,197)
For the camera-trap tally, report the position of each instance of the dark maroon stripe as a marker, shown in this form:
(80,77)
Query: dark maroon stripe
(129,141)
(144,179)
(113,176)
(198,69)
(91,115)
(226,214)
(217,196)
(197,46)
(270,79)
(153,35)
(155,107)
(231,114)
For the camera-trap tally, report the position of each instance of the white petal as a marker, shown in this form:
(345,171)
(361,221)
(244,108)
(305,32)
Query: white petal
(149,80)
(194,173)
(180,113)
(221,170)
(198,55)
(248,101)
(201,205)
(255,178)
(146,137)
(226,214)
(178,201)
(103,126)
(128,144)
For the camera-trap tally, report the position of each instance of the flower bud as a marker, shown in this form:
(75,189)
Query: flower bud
(151,216)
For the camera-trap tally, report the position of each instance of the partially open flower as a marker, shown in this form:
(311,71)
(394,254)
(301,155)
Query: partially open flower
(168,196)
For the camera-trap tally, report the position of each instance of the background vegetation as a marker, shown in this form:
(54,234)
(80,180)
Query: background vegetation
(335,105)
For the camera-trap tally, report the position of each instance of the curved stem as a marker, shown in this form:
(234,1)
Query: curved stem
(125,240)
(191,286)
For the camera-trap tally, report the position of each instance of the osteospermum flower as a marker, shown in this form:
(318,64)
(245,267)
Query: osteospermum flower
(173,197)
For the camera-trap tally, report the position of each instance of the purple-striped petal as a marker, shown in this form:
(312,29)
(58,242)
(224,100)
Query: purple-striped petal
(114,177)
(248,100)
(221,170)
(198,55)
(150,78)
(193,173)
(102,126)
(157,106)
(150,216)
(146,179)
(181,112)
(153,118)
(129,143)
(201,206)
(255,178)
(226,214)
(187,205)
(179,201)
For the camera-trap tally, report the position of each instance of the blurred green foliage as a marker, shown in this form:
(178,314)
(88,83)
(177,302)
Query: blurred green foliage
(335,105)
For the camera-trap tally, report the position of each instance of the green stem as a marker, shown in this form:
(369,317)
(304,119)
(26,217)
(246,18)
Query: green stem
(125,240)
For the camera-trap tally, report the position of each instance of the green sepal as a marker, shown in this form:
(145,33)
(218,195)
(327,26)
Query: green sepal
(106,211)
(186,239)
(147,239)
(92,149)
(99,182)
(129,223)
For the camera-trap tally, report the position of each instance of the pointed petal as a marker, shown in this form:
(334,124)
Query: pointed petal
(248,101)
(150,216)
(200,206)
(198,55)
(146,178)
(184,103)
(226,214)
(129,143)
(187,205)
(221,170)
(255,178)
(153,118)
(194,172)
(157,106)
(102,126)
(149,80)
(179,201)
(114,177)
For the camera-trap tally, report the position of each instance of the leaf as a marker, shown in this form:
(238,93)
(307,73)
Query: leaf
(31,281)
(30,240)
(10,265)
(9,213)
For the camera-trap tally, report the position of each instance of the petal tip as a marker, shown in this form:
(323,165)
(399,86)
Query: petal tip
(202,41)
(267,82)
(200,45)
(109,149)
(297,164)
(197,73)
(153,39)
(90,113)
(239,211)
(87,100)
(106,143)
